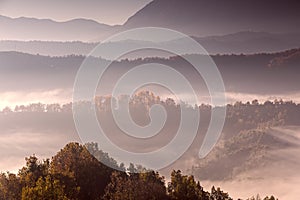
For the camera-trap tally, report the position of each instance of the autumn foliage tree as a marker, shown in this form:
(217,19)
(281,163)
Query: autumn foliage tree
(78,170)
(185,188)
(75,174)
(147,185)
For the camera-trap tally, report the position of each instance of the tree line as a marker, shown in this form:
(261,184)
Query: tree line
(240,116)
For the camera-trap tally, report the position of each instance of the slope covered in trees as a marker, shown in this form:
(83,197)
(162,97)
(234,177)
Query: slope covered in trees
(245,123)
(57,73)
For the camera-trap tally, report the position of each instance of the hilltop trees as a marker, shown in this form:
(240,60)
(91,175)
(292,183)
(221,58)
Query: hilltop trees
(185,188)
(76,168)
(218,194)
(147,185)
(10,187)
(33,171)
(46,188)
(73,173)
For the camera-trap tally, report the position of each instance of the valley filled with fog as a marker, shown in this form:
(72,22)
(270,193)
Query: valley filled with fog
(150,99)
(258,147)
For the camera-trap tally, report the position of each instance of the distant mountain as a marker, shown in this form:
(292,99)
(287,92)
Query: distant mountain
(247,42)
(45,29)
(48,48)
(193,17)
(271,78)
(211,17)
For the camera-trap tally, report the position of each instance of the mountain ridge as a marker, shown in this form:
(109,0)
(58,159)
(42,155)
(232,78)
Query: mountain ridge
(192,17)
(51,20)
(248,42)
(26,28)
(218,16)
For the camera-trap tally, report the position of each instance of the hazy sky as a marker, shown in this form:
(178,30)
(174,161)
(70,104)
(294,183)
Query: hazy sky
(104,11)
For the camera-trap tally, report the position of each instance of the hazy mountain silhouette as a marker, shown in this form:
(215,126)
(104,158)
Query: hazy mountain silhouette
(48,48)
(247,42)
(193,17)
(210,17)
(44,72)
(24,28)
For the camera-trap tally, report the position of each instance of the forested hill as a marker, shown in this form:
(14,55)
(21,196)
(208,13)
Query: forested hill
(43,72)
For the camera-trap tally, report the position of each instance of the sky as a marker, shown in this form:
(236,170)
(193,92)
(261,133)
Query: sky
(110,12)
